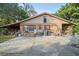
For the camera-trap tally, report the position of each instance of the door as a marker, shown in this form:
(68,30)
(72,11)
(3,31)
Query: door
(46,30)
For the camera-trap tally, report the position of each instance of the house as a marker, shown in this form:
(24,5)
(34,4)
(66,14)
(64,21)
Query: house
(42,24)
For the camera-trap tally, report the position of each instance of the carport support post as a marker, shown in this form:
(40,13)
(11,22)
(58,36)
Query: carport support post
(36,28)
(21,29)
(60,29)
(45,31)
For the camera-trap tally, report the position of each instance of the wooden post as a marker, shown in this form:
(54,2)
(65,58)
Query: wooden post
(61,30)
(21,29)
(36,27)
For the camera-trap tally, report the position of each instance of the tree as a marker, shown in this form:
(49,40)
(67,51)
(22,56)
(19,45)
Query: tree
(29,9)
(70,11)
(9,12)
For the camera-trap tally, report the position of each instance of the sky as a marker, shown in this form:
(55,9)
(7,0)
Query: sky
(47,7)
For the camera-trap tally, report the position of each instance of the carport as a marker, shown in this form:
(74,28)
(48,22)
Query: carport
(11,28)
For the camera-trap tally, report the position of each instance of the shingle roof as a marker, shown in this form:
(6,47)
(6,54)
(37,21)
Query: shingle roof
(45,13)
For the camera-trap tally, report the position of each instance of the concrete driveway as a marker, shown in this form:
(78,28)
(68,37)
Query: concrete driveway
(39,46)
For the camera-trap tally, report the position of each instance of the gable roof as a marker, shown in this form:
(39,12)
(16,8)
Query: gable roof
(52,15)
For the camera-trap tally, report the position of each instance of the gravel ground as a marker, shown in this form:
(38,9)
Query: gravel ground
(40,46)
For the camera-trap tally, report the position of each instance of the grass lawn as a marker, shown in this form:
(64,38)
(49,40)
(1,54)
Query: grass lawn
(6,37)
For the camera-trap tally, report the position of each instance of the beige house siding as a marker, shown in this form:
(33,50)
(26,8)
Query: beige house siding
(56,24)
(39,20)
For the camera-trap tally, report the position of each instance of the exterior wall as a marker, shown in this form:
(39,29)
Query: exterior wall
(57,28)
(39,20)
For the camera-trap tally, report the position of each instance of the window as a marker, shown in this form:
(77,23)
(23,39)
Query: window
(30,28)
(45,19)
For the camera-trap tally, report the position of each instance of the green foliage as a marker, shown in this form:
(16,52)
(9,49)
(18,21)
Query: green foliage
(70,11)
(6,37)
(22,15)
(3,30)
(9,12)
(76,29)
(29,9)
